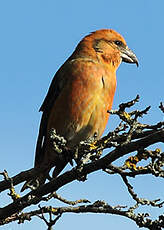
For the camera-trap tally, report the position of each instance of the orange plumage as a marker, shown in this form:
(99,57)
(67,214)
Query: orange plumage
(80,94)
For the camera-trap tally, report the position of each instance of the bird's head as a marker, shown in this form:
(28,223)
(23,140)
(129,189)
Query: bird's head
(108,45)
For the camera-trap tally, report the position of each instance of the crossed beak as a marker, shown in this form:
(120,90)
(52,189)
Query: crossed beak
(128,56)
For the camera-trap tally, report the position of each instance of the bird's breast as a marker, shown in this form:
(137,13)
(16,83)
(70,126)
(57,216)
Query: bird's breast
(80,111)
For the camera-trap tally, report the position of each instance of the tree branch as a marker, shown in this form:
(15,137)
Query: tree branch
(142,220)
(73,174)
(130,136)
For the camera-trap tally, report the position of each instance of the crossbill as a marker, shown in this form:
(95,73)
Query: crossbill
(79,96)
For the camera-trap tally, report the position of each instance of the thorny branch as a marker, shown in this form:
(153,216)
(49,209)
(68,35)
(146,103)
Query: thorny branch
(130,136)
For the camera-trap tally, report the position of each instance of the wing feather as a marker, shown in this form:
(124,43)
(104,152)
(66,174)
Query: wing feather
(54,91)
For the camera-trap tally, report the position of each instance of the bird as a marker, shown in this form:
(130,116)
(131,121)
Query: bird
(79,96)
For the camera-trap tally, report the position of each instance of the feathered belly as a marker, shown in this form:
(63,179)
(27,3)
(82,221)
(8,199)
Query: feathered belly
(80,111)
(79,121)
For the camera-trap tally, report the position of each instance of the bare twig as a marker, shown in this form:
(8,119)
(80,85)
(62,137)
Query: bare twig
(12,193)
(58,197)
(123,106)
(141,200)
(51,221)
(161,106)
(141,220)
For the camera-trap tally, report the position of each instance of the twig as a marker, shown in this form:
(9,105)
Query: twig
(51,222)
(141,201)
(123,106)
(12,193)
(141,220)
(58,197)
(161,106)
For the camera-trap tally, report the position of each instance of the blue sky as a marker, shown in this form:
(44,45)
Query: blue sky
(36,38)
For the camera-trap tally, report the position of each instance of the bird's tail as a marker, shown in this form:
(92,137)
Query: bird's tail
(59,168)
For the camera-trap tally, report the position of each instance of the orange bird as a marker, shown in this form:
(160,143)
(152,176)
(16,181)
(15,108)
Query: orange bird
(80,94)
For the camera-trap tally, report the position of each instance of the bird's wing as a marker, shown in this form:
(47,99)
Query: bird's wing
(73,68)
(57,84)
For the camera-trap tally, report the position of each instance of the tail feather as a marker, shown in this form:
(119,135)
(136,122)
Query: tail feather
(59,168)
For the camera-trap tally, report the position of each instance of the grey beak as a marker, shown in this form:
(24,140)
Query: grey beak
(128,56)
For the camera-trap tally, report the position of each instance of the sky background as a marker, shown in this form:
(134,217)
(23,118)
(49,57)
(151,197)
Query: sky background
(36,37)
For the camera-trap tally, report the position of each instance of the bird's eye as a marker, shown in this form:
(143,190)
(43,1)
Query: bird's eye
(118,43)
